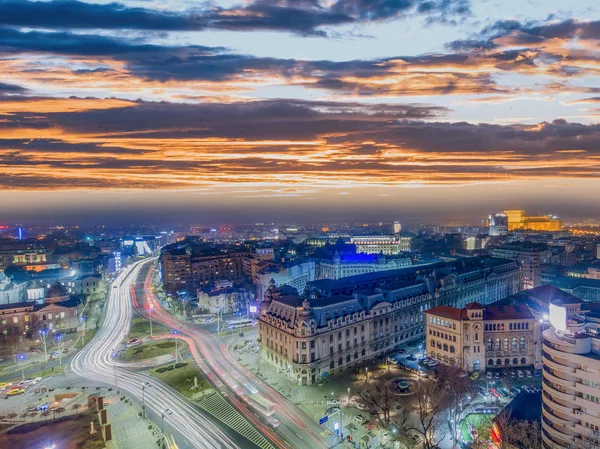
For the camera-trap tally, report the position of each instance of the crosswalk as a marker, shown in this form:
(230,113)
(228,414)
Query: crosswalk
(217,406)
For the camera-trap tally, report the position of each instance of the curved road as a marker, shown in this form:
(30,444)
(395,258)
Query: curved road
(297,430)
(95,362)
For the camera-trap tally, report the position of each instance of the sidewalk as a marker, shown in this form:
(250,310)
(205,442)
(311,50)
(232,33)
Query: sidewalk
(129,430)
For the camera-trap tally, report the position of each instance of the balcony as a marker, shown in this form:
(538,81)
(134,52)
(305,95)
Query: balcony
(554,405)
(549,442)
(554,392)
(557,419)
(557,366)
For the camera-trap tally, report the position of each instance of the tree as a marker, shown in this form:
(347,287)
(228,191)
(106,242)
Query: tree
(429,407)
(379,396)
(518,433)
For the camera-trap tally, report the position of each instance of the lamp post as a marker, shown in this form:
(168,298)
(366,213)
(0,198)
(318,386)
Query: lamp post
(165,412)
(150,310)
(348,396)
(114,357)
(176,346)
(144,385)
(43,334)
(21,358)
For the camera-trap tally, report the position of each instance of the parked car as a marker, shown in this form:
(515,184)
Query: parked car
(497,375)
(489,375)
(411,357)
(528,373)
(537,373)
(359,419)
(520,374)
(361,406)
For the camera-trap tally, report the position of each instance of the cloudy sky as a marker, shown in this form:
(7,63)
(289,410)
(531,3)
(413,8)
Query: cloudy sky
(257,110)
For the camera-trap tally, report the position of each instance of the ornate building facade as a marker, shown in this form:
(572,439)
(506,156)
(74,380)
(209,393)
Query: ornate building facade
(339,324)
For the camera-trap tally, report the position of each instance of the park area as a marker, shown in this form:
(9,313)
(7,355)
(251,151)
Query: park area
(150,350)
(181,376)
(69,432)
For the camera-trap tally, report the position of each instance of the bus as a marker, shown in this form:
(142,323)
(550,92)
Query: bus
(238,324)
(262,404)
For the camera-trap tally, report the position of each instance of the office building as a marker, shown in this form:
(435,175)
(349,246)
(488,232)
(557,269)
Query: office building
(338,324)
(345,265)
(497,224)
(531,256)
(571,379)
(189,266)
(479,338)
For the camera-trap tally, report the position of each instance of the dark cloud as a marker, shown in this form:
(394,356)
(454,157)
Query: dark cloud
(528,33)
(304,17)
(9,89)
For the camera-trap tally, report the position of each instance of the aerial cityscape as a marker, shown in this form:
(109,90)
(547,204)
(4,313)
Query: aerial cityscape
(299,224)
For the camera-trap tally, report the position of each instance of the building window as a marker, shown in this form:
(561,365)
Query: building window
(497,344)
(523,361)
(331,365)
(489,344)
(515,362)
(514,344)
(506,362)
(505,344)
(522,344)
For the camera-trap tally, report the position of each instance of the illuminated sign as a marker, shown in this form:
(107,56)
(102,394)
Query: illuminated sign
(558,317)
(128,242)
(253,309)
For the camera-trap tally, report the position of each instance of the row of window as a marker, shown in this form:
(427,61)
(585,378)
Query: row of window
(439,322)
(515,361)
(507,345)
(511,326)
(442,335)
(444,346)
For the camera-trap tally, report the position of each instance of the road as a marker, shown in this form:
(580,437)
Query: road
(189,426)
(211,354)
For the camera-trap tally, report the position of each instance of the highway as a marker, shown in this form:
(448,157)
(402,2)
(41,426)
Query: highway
(189,425)
(211,354)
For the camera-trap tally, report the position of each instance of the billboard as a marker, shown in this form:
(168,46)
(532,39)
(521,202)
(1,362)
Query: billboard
(558,317)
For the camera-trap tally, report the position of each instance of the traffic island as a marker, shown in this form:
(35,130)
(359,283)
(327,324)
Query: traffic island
(183,377)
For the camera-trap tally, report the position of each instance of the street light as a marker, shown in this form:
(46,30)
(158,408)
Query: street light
(114,357)
(43,334)
(176,345)
(150,310)
(21,358)
(59,339)
(144,385)
(165,412)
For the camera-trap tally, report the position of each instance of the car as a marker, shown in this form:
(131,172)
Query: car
(497,375)
(513,374)
(273,421)
(401,351)
(528,373)
(411,357)
(503,392)
(537,373)
(4,384)
(489,375)
(359,419)
(526,389)
(474,376)
(361,406)
(520,374)
(15,391)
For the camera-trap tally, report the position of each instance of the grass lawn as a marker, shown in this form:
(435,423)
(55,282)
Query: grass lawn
(140,327)
(481,422)
(150,350)
(181,379)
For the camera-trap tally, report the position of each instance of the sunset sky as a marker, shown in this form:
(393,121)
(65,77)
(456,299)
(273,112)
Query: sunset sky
(255,110)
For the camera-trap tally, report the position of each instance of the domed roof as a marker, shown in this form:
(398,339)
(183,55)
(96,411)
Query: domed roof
(57,292)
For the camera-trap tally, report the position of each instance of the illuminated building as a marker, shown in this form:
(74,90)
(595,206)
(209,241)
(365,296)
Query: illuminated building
(571,379)
(479,337)
(339,324)
(518,221)
(497,224)
(530,256)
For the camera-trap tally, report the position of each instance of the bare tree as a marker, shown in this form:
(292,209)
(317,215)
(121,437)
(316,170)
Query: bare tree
(379,396)
(518,433)
(429,409)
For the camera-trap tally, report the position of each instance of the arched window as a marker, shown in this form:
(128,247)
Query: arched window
(490,362)
(340,362)
(355,355)
(497,344)
(476,336)
(514,344)
(433,343)
(445,347)
(452,350)
(348,358)
(523,361)
(489,344)
(363,352)
(522,343)
(331,365)
(505,346)
(506,362)
(498,362)
(515,361)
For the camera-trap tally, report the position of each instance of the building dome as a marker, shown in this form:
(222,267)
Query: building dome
(57,292)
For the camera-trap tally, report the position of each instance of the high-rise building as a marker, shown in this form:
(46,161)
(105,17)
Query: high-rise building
(397,227)
(497,224)
(530,256)
(571,379)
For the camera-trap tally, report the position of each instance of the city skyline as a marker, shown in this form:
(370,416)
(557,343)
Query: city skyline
(354,110)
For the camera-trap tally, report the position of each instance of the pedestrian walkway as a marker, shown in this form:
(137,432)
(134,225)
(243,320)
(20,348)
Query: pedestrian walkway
(217,406)
(129,431)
